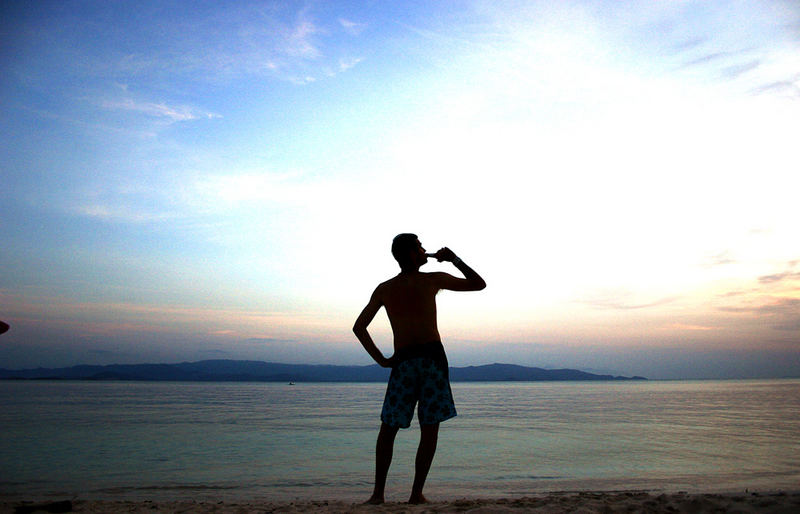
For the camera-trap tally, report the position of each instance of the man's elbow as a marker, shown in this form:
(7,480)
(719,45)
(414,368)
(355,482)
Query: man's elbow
(359,328)
(479,284)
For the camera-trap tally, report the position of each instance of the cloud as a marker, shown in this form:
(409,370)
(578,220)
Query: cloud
(789,88)
(298,80)
(769,307)
(690,327)
(299,42)
(778,313)
(270,340)
(773,301)
(622,300)
(301,52)
(734,71)
(708,58)
(351,27)
(719,259)
(730,294)
(346,64)
(728,63)
(122,213)
(100,318)
(779,277)
(781,306)
(159,110)
(785,276)
(754,45)
(216,45)
(689,44)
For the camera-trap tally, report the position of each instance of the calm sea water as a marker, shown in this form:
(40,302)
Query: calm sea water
(154,440)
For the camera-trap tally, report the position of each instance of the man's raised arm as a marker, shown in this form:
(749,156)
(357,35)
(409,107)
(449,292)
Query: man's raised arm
(471,281)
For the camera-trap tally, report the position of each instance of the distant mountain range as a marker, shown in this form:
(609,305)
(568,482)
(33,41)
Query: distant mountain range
(256,371)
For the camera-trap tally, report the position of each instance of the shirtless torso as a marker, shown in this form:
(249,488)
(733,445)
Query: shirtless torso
(410,302)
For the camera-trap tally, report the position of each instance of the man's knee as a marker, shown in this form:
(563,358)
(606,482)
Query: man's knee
(429,431)
(388,431)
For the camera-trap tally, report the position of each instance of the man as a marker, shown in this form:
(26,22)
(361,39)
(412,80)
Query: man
(419,365)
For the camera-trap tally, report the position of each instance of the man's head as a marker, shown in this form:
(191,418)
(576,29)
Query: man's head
(408,252)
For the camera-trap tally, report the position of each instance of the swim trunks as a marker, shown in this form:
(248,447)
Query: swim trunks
(419,375)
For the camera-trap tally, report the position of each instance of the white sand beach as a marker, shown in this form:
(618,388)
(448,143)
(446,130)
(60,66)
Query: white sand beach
(582,502)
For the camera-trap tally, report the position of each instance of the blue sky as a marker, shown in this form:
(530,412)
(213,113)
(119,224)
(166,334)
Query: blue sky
(187,181)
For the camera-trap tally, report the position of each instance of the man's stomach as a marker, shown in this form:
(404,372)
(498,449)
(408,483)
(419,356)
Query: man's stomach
(416,339)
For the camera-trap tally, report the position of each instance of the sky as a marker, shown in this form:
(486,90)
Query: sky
(195,180)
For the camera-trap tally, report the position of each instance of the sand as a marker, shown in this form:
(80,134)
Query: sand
(583,502)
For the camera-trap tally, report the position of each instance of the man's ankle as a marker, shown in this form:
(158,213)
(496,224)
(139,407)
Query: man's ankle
(417,498)
(375,499)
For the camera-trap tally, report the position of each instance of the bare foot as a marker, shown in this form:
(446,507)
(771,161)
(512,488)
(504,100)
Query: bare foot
(416,500)
(374,500)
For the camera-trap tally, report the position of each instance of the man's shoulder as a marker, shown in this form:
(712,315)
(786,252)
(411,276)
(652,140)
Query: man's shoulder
(435,276)
(385,285)
(401,280)
(420,275)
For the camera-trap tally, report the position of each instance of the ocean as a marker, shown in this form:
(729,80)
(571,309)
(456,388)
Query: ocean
(315,441)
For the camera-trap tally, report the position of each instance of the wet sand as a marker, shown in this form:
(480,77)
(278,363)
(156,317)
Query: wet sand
(583,502)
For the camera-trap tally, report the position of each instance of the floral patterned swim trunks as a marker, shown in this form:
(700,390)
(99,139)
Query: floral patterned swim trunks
(421,377)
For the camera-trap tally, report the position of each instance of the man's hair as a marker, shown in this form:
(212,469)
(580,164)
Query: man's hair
(402,246)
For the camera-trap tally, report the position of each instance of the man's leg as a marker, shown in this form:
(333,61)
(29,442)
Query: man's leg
(429,435)
(383,458)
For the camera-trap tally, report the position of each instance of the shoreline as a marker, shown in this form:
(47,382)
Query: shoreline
(586,501)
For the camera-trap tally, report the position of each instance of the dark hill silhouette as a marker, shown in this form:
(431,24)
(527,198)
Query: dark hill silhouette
(257,371)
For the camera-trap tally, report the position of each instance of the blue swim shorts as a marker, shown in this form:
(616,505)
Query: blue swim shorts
(421,376)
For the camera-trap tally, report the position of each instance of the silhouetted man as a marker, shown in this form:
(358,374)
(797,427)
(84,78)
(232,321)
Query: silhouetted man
(419,365)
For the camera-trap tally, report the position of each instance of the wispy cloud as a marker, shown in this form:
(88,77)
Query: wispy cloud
(719,259)
(122,213)
(300,43)
(623,300)
(116,317)
(346,64)
(351,27)
(779,277)
(757,52)
(710,57)
(788,275)
(736,70)
(782,314)
(774,301)
(269,340)
(789,88)
(216,45)
(299,80)
(688,327)
(159,110)
(689,44)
